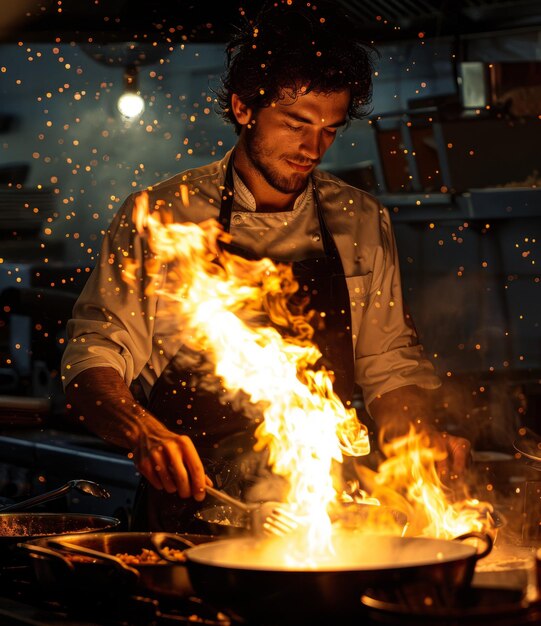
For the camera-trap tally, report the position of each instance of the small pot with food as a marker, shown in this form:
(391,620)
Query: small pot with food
(109,563)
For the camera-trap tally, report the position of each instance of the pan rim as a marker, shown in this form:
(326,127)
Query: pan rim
(198,555)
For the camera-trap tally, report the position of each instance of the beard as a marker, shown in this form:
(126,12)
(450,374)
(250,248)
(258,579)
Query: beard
(266,162)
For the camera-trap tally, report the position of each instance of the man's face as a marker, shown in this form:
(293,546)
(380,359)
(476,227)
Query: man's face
(289,138)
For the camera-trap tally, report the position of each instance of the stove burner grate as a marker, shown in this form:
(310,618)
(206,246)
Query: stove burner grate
(24,602)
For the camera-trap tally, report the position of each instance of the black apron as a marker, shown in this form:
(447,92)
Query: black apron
(223,436)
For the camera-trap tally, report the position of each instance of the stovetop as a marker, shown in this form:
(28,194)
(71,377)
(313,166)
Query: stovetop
(142,611)
(25,603)
(131,611)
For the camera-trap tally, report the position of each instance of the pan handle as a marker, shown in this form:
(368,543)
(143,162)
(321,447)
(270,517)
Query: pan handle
(118,564)
(484,537)
(47,553)
(160,540)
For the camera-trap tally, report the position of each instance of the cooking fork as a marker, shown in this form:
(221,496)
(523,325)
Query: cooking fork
(269,518)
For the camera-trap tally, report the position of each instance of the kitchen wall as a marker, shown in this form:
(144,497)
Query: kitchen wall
(68,130)
(472,285)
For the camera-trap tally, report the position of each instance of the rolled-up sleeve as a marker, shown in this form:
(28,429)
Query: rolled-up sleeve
(113,318)
(388,354)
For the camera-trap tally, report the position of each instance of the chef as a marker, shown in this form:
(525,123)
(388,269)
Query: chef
(295,76)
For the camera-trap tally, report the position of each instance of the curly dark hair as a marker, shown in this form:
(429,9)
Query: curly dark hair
(292,44)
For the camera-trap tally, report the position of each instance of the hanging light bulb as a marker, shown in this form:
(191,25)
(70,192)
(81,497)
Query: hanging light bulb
(130,104)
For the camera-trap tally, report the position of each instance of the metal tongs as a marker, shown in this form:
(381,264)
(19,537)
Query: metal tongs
(268,518)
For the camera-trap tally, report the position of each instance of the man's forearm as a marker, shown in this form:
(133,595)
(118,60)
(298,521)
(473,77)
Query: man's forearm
(99,399)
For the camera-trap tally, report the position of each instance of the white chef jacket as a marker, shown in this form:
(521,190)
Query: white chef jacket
(115,324)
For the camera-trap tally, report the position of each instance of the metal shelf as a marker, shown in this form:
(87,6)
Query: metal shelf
(475,204)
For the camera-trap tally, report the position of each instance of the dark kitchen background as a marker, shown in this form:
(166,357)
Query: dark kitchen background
(451,148)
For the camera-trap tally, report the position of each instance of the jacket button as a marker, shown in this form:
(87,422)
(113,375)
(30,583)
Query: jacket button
(237,219)
(316,237)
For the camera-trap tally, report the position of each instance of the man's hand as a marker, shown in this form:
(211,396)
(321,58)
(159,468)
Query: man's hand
(397,411)
(99,399)
(457,459)
(170,461)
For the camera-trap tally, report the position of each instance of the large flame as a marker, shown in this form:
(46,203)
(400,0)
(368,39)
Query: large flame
(236,311)
(408,481)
